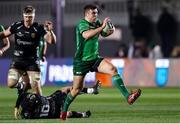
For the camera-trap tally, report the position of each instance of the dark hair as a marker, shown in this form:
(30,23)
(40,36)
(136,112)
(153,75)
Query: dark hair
(89,7)
(29,10)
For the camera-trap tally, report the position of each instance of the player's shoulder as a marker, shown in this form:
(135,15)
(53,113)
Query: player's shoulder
(17,23)
(83,21)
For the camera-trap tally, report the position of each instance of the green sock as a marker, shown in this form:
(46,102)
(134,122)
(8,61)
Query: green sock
(67,102)
(118,82)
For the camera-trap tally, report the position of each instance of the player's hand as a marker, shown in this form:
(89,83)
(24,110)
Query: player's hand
(105,21)
(16,113)
(48,25)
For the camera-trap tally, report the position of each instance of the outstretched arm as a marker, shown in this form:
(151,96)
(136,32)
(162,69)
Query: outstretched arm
(5,46)
(5,33)
(50,37)
(6,43)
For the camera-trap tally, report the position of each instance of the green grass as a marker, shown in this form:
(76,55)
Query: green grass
(156,105)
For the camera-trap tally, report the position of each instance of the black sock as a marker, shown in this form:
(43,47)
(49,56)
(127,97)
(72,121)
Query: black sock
(76,115)
(84,90)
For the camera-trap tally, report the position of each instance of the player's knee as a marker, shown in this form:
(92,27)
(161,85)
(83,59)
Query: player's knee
(113,70)
(13,77)
(75,91)
(35,83)
(11,83)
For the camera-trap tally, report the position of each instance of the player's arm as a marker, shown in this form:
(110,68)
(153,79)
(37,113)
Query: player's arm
(50,37)
(43,58)
(6,45)
(92,32)
(5,33)
(108,30)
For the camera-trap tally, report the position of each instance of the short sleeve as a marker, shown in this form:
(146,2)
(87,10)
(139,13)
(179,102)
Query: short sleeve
(83,27)
(13,28)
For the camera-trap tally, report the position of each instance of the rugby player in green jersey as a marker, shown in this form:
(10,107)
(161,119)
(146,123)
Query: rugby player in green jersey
(87,57)
(6,43)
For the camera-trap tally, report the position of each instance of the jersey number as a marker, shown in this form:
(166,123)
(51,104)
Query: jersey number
(44,111)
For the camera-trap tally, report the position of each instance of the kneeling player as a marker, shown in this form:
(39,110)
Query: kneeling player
(34,106)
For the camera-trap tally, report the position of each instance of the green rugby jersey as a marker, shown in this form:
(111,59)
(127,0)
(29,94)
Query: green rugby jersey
(86,49)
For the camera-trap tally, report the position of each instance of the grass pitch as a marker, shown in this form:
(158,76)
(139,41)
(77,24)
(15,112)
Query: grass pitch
(156,105)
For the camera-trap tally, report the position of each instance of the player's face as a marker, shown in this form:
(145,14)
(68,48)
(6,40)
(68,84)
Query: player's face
(92,15)
(28,19)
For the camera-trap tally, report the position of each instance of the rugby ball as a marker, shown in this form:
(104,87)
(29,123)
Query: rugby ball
(109,26)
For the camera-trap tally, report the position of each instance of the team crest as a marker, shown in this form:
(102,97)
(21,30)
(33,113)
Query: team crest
(33,35)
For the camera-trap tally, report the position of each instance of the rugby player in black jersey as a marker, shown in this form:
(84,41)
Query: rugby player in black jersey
(27,35)
(35,106)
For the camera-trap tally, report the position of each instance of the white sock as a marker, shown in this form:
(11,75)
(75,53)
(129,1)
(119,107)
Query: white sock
(90,90)
(83,114)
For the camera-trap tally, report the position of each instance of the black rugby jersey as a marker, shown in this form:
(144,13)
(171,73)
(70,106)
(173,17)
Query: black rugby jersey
(35,106)
(27,39)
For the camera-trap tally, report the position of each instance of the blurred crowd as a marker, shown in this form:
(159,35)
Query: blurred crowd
(142,29)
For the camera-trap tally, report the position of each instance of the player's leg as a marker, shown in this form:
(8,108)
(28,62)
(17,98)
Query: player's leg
(24,82)
(106,67)
(77,86)
(34,79)
(92,90)
(13,77)
(85,90)
(75,114)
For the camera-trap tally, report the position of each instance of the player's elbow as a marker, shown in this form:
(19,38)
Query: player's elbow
(86,35)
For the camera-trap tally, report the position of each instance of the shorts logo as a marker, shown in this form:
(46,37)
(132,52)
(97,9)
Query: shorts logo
(78,72)
(33,35)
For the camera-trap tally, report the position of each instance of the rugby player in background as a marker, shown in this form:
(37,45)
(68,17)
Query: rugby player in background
(25,58)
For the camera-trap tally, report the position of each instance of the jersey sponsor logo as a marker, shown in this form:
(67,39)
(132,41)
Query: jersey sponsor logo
(21,42)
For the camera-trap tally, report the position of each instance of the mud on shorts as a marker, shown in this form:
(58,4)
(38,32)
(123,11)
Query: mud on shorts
(83,67)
